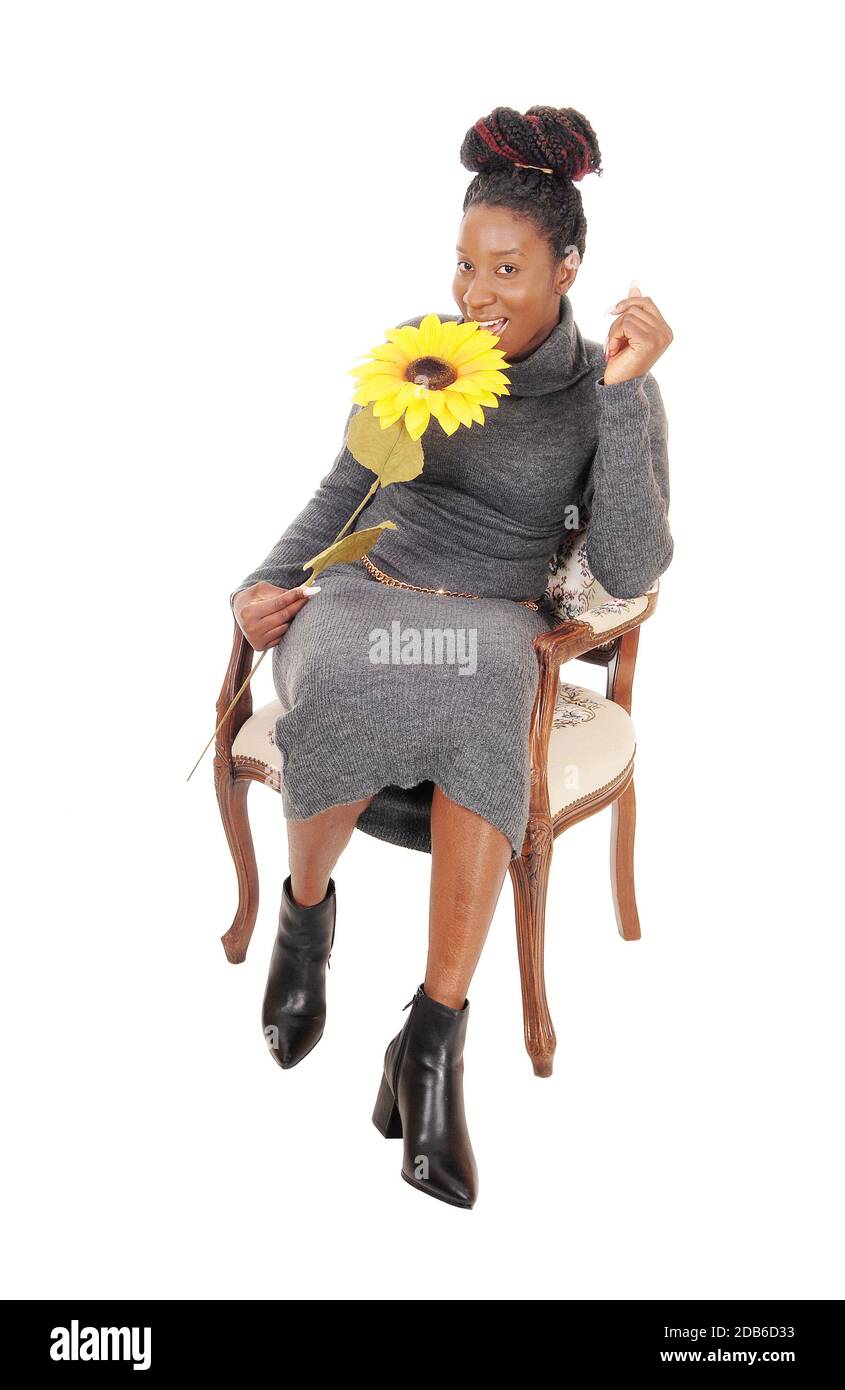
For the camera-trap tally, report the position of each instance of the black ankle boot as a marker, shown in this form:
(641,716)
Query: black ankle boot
(421,1100)
(294,1010)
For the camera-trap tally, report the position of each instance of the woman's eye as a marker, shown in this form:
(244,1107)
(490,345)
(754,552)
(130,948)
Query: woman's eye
(461,264)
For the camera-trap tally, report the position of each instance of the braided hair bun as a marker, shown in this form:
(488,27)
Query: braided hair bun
(560,139)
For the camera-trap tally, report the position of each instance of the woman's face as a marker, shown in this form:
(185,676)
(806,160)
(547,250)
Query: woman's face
(505,270)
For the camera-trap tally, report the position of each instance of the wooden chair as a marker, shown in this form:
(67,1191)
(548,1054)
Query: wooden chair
(581,745)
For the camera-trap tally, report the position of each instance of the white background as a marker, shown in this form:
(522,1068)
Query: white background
(211,211)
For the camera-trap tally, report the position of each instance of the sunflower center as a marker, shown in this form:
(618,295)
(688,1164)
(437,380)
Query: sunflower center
(432,372)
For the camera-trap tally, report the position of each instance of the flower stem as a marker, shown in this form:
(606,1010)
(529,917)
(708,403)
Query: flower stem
(344,529)
(358,509)
(228,712)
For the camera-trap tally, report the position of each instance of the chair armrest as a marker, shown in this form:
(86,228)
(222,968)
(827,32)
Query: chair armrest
(240,666)
(595,628)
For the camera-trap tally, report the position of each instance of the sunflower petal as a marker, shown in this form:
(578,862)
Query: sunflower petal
(384,384)
(366,392)
(450,339)
(466,331)
(406,393)
(493,380)
(417,417)
(467,386)
(386,406)
(436,403)
(387,420)
(406,338)
(459,407)
(485,359)
(482,395)
(388,352)
(429,331)
(394,403)
(374,369)
(448,421)
(480,343)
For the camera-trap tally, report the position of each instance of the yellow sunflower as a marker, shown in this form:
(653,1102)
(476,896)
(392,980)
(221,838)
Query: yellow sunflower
(448,370)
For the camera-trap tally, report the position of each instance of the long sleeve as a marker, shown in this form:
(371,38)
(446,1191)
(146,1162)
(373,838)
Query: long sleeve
(340,492)
(628,541)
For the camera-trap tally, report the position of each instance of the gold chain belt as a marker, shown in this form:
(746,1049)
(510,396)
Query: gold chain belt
(421,588)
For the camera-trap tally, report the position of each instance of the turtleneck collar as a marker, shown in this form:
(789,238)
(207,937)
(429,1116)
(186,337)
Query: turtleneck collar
(558,362)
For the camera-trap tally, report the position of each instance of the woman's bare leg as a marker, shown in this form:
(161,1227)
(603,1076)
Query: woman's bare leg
(469,860)
(314,847)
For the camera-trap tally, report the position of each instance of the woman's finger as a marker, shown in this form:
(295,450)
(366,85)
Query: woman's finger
(647,305)
(632,298)
(269,639)
(292,599)
(632,317)
(650,314)
(631,324)
(274,626)
(285,611)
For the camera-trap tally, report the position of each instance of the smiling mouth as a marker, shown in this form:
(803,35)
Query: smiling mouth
(496,326)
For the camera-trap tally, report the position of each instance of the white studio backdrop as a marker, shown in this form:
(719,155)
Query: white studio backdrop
(211,211)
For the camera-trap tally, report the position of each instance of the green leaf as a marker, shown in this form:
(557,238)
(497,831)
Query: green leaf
(350,547)
(391,454)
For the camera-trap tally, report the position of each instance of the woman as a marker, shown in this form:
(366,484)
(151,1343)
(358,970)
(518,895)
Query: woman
(428,754)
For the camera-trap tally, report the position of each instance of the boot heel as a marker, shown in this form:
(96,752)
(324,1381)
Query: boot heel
(386,1116)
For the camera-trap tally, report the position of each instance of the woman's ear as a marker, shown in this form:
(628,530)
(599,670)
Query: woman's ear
(568,269)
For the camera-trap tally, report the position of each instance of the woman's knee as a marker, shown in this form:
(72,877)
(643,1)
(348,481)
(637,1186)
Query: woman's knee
(339,815)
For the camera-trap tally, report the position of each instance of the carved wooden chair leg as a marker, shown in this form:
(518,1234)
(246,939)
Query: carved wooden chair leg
(530,878)
(231,798)
(622,864)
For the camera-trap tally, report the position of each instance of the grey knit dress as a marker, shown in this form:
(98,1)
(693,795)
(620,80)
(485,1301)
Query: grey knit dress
(387,691)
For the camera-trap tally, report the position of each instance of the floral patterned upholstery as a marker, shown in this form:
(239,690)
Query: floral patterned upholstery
(573,591)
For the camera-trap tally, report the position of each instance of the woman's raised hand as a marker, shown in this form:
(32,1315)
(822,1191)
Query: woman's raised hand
(264,612)
(637,337)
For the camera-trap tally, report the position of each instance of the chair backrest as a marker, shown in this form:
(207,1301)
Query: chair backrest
(572,588)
